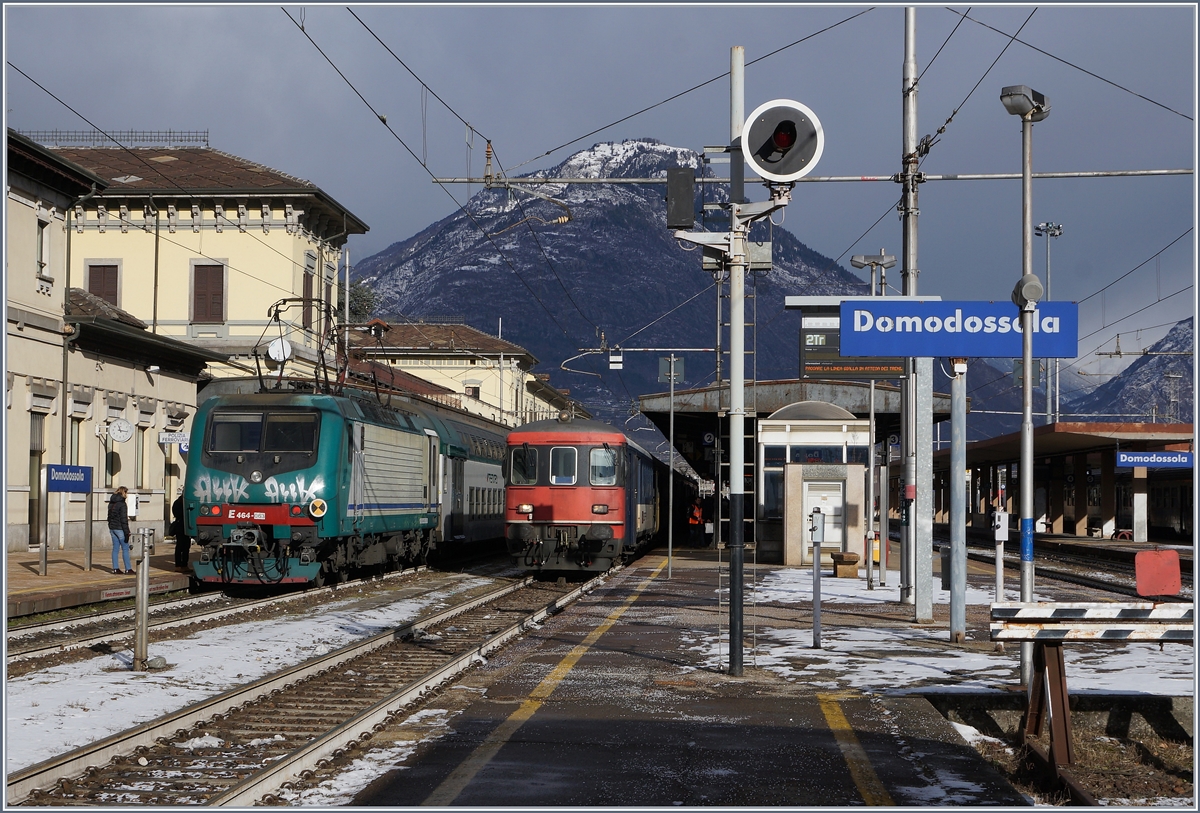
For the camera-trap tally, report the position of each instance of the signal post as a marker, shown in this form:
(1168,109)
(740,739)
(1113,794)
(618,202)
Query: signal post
(781,141)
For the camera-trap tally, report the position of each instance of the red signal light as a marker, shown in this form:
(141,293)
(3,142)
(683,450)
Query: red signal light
(784,136)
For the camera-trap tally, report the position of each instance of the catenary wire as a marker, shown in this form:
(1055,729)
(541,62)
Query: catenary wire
(1076,67)
(408,149)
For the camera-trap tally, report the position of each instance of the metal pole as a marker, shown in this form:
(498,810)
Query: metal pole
(884,479)
(818,539)
(870,546)
(909,401)
(737,382)
(1050,417)
(142,628)
(958,505)
(42,519)
(671,473)
(1026,470)
(87,531)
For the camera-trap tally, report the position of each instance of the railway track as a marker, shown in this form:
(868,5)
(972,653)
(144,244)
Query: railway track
(33,641)
(243,745)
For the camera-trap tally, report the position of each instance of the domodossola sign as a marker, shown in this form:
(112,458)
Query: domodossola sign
(1165,460)
(884,327)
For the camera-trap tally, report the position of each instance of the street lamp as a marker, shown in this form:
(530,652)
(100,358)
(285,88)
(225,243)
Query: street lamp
(1049,230)
(1031,106)
(882,262)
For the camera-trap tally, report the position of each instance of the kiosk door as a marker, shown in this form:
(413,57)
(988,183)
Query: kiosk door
(829,497)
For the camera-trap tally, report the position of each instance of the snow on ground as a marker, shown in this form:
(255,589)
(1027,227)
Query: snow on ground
(56,710)
(906,659)
(342,789)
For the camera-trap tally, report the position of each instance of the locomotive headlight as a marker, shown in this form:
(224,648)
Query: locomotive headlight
(525,508)
(317,508)
(256,476)
(599,509)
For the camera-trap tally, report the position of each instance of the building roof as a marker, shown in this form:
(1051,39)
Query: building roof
(1073,437)
(812,411)
(421,339)
(35,161)
(85,303)
(102,328)
(183,172)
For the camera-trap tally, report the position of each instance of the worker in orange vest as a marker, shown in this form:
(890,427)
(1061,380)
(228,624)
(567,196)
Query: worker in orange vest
(696,525)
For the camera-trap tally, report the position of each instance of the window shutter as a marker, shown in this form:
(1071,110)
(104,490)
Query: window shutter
(209,293)
(102,282)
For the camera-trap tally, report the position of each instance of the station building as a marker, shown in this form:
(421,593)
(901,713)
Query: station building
(75,363)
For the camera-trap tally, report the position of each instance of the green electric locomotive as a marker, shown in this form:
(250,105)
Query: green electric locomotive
(297,488)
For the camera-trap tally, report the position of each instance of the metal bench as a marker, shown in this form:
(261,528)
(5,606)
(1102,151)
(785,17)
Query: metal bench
(1049,624)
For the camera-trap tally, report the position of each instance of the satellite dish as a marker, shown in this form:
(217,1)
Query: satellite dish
(279,350)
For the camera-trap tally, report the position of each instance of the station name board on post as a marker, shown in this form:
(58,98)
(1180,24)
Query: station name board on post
(71,479)
(919,328)
(1165,460)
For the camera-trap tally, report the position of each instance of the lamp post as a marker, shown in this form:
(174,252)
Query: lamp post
(1031,106)
(1049,230)
(882,262)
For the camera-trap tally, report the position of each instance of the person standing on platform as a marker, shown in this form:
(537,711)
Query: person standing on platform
(183,543)
(118,528)
(696,525)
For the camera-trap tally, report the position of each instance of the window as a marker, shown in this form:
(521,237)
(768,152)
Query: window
(473,391)
(562,466)
(857,454)
(140,474)
(816,454)
(603,467)
(524,467)
(43,249)
(76,425)
(102,282)
(306,320)
(208,294)
(290,433)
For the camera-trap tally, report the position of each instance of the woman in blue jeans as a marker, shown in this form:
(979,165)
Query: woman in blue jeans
(118,527)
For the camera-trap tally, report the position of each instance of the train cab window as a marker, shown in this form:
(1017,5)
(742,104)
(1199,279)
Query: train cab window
(603,467)
(235,432)
(562,466)
(524,466)
(290,432)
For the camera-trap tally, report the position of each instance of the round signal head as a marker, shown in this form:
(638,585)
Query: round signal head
(782,140)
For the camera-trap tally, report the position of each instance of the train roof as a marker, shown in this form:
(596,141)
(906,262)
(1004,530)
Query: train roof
(577,426)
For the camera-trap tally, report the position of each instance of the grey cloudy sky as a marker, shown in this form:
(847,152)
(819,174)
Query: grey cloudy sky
(532,78)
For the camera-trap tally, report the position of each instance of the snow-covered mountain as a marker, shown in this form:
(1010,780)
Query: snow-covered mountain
(613,267)
(1153,388)
(597,263)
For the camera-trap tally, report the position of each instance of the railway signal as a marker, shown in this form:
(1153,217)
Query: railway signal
(782,140)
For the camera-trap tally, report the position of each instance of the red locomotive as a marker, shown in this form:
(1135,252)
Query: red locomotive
(580,496)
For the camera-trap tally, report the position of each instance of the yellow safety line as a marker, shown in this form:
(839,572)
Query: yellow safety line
(461,776)
(864,776)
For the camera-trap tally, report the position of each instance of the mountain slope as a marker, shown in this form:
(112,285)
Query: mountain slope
(1155,387)
(614,267)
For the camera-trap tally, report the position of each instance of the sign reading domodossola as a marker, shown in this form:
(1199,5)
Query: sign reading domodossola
(970,329)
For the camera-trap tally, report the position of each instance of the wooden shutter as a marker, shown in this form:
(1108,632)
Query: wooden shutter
(307,318)
(102,282)
(208,295)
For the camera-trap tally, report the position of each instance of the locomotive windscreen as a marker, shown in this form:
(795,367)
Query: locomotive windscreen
(266,432)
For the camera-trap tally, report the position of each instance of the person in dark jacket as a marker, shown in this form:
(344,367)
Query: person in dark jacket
(118,527)
(183,543)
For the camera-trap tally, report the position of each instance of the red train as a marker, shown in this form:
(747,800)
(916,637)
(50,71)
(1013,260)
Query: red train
(580,496)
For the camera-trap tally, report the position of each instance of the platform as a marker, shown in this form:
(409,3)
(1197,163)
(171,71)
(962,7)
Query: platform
(625,700)
(68,584)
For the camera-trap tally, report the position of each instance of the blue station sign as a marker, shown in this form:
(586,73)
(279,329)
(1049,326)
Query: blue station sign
(72,479)
(1163,460)
(924,328)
